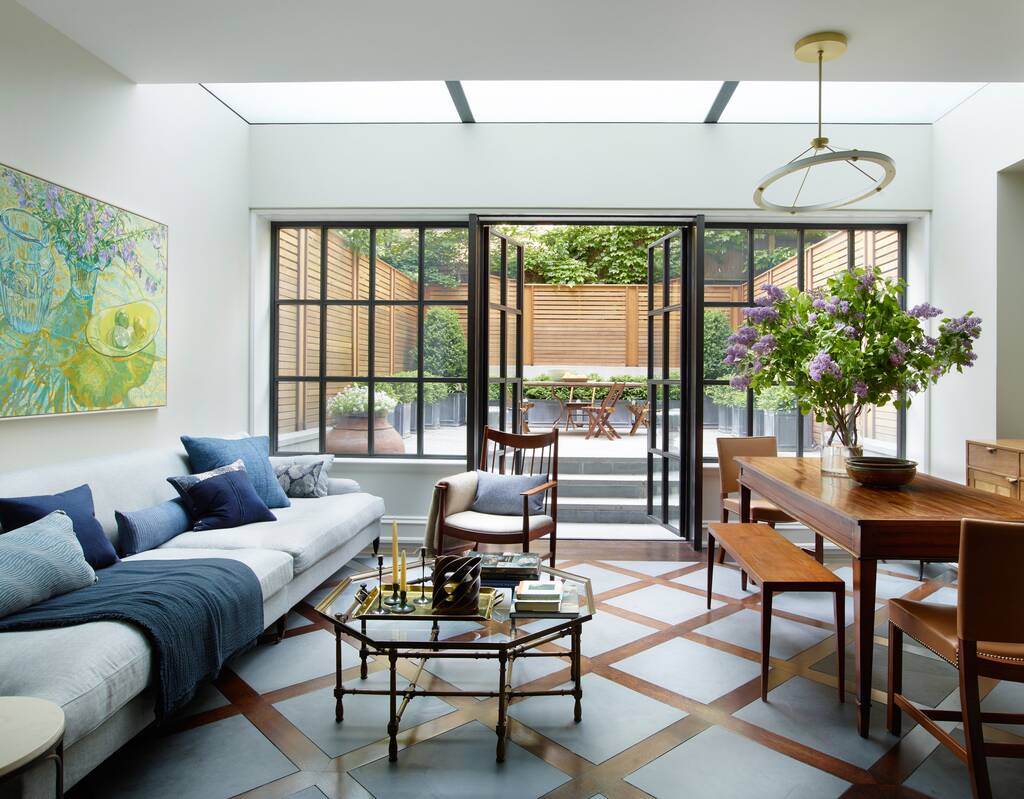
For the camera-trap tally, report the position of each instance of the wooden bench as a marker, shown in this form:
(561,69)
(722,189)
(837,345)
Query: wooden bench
(777,566)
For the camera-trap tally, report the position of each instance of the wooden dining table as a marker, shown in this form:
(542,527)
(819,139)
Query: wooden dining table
(920,521)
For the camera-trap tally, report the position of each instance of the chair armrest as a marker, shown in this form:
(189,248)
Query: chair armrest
(539,489)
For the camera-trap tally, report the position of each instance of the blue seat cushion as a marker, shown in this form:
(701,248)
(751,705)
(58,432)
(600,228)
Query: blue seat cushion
(205,454)
(77,503)
(499,494)
(140,530)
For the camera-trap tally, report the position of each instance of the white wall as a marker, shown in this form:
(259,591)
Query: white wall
(172,153)
(1010,320)
(576,166)
(970,146)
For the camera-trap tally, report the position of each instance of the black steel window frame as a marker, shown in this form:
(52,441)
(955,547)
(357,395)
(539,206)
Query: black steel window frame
(801,229)
(371,303)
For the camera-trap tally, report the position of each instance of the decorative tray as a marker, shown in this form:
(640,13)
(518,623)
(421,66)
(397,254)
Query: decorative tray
(366,608)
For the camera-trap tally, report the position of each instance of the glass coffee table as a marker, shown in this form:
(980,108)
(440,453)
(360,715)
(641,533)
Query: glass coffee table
(493,633)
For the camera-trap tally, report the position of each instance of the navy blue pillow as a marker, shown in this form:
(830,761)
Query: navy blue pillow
(139,530)
(205,454)
(16,512)
(227,500)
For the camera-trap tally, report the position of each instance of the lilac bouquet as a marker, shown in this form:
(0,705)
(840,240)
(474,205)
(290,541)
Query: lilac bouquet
(90,235)
(846,347)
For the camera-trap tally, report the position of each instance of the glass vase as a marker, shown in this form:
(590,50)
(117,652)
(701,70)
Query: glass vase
(83,278)
(26,270)
(833,459)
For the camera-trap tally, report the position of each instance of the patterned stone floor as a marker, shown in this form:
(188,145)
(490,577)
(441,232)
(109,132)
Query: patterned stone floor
(671,709)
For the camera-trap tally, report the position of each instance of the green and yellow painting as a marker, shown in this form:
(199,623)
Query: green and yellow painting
(83,302)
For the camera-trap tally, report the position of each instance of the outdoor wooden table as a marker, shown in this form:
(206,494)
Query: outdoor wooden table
(586,384)
(918,521)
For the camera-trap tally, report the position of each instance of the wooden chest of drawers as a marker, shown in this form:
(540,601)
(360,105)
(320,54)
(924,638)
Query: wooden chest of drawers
(996,466)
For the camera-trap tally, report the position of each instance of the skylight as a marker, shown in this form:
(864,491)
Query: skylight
(590,101)
(845,102)
(368,101)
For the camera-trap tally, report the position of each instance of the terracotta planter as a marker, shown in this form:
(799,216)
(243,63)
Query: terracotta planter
(347,436)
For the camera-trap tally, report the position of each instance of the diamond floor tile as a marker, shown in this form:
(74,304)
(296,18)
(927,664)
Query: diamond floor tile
(482,675)
(944,776)
(813,605)
(691,669)
(727,582)
(1006,697)
(718,763)
(366,717)
(213,761)
(944,596)
(652,568)
(926,680)
(268,667)
(743,628)
(886,586)
(810,713)
(607,706)
(664,604)
(425,769)
(602,580)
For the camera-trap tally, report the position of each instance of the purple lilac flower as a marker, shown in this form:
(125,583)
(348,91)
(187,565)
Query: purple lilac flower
(744,335)
(756,366)
(765,344)
(735,352)
(822,365)
(924,311)
(774,293)
(860,388)
(52,201)
(971,325)
(929,345)
(899,355)
(972,356)
(843,306)
(761,314)
(740,381)
(812,318)
(866,281)
(850,331)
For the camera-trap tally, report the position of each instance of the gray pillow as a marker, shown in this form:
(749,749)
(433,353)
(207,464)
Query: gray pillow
(301,480)
(323,477)
(499,493)
(41,560)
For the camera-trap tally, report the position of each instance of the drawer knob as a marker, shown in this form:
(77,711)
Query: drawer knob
(1012,479)
(990,450)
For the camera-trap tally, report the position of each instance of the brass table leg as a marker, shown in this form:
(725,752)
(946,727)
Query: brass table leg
(393,697)
(576,675)
(501,729)
(339,709)
(363,652)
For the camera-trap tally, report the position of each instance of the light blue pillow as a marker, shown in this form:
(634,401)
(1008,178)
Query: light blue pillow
(139,530)
(41,560)
(499,493)
(205,454)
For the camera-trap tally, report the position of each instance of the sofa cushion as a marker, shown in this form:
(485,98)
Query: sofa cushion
(41,560)
(493,523)
(90,670)
(139,530)
(209,453)
(226,501)
(502,493)
(77,503)
(309,530)
(272,568)
(322,475)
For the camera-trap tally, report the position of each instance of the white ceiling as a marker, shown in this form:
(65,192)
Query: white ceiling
(220,41)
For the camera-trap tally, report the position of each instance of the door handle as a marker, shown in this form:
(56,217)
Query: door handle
(991,450)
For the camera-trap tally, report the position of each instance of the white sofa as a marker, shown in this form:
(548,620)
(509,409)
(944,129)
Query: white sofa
(100,672)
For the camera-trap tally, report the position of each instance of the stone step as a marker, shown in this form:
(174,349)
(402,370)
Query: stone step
(604,510)
(602,465)
(630,486)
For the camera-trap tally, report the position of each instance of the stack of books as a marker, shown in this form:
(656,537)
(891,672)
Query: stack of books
(507,569)
(545,599)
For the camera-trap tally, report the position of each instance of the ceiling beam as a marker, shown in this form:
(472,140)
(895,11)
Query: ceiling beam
(721,101)
(459,99)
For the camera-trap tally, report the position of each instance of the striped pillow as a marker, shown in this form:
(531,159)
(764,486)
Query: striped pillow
(41,560)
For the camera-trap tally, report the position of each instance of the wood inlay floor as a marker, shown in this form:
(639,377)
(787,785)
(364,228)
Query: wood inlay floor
(671,708)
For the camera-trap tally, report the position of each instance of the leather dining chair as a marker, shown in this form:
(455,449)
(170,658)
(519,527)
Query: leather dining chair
(983,636)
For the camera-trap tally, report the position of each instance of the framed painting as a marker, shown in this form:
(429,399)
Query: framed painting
(83,302)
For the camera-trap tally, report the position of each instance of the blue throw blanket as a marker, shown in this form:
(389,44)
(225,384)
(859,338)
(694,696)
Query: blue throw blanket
(195,613)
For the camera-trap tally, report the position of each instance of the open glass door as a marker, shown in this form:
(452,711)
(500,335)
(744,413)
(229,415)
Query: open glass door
(673,365)
(496,346)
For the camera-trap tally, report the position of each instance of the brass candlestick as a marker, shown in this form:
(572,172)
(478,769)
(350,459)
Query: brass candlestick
(422,598)
(392,600)
(403,606)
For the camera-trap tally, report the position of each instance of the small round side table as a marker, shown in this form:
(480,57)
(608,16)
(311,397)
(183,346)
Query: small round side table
(31,731)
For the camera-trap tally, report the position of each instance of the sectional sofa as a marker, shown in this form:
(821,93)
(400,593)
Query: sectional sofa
(100,672)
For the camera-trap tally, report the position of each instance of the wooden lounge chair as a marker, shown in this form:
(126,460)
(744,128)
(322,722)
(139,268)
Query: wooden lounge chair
(599,415)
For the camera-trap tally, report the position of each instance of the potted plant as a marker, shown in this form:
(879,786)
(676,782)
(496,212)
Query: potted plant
(403,417)
(546,408)
(716,340)
(445,354)
(435,397)
(844,348)
(776,414)
(732,409)
(349,410)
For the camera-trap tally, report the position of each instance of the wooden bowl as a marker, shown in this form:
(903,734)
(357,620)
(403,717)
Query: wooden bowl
(879,472)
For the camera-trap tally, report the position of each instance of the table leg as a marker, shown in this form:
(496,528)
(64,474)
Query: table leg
(502,705)
(711,564)
(577,713)
(744,504)
(363,652)
(864,576)
(339,709)
(393,717)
